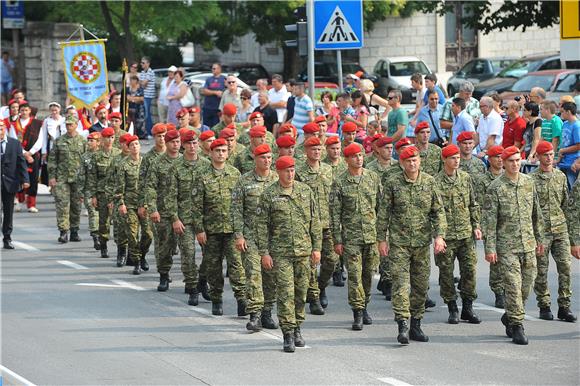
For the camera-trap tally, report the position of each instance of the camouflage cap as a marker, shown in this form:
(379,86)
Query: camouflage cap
(71,119)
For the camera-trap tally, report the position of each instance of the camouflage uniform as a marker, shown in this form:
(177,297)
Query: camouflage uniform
(411,215)
(212,200)
(127,193)
(320,182)
(431,159)
(86,164)
(481,183)
(221,125)
(244,139)
(512,223)
(234,155)
(552,191)
(337,169)
(245,161)
(288,229)
(120,231)
(64,163)
(573,214)
(260,283)
(180,202)
(473,166)
(462,214)
(118,134)
(354,204)
(147,160)
(157,188)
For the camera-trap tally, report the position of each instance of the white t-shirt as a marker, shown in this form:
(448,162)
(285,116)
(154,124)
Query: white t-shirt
(279,96)
(163,88)
(490,125)
(52,127)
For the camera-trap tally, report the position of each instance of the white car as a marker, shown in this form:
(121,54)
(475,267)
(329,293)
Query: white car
(395,72)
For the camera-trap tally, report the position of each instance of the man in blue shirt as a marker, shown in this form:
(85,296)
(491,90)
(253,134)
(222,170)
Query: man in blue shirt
(570,145)
(212,91)
(431,85)
(462,120)
(431,114)
(303,109)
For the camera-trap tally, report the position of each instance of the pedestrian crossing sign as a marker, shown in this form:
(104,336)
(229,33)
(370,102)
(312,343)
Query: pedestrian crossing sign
(338,25)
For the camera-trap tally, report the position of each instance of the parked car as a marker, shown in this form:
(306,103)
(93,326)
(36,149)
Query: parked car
(553,81)
(476,71)
(247,72)
(328,72)
(395,72)
(196,80)
(508,76)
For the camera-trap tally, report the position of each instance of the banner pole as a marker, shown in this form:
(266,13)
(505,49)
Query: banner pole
(124,101)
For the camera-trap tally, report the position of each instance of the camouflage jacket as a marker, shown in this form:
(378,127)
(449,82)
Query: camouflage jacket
(379,168)
(158,185)
(113,176)
(320,181)
(83,180)
(552,191)
(573,214)
(180,197)
(239,150)
(245,162)
(431,159)
(244,139)
(472,166)
(147,160)
(337,169)
(127,183)
(221,125)
(118,135)
(480,183)
(64,160)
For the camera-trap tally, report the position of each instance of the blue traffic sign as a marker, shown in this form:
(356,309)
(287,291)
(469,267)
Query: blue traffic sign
(338,25)
(12,14)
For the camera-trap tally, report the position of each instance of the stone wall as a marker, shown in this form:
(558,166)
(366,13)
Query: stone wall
(518,43)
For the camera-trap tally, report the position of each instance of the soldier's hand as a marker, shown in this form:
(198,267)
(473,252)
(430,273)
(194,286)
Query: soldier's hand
(94,202)
(155,217)
(267,262)
(201,238)
(178,227)
(122,210)
(241,244)
(477,234)
(575,250)
(383,248)
(440,245)
(142,212)
(315,258)
(491,258)
(540,249)
(52,182)
(339,249)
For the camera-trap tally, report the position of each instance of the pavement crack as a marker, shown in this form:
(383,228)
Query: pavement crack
(177,367)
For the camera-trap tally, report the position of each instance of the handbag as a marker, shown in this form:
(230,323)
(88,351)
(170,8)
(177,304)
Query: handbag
(188,99)
(439,141)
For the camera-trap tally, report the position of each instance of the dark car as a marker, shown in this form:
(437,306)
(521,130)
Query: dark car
(508,76)
(476,71)
(555,82)
(328,72)
(247,72)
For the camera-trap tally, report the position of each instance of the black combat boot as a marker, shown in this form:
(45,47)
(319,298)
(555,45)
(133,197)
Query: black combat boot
(467,312)
(323,297)
(104,251)
(163,282)
(255,323)
(546,313)
(337,278)
(267,320)
(193,297)
(96,243)
(242,307)
(366,317)
(403,337)
(506,323)
(121,256)
(381,285)
(518,335)
(217,308)
(63,238)
(136,270)
(357,324)
(453,312)
(289,342)
(499,301)
(429,303)
(144,264)
(74,235)
(388,286)
(316,307)
(416,333)
(298,339)
(203,289)
(565,314)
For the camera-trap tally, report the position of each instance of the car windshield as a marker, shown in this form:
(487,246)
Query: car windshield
(350,68)
(530,81)
(407,68)
(519,68)
(567,83)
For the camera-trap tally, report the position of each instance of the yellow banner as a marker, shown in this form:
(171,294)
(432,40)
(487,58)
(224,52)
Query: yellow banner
(569,19)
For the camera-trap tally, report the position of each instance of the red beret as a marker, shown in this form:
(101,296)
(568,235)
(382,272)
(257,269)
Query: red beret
(116,115)
(310,128)
(284,162)
(349,127)
(352,149)
(383,141)
(94,135)
(171,135)
(23,103)
(227,133)
(262,149)
(465,135)
(182,131)
(449,150)
(320,118)
(158,128)
(125,138)
(12,101)
(99,108)
(285,141)
(376,136)
(230,109)
(254,115)
(409,152)
(206,135)
(170,126)
(194,109)
(182,113)
(495,151)
(509,151)
(231,126)
(107,132)
(188,135)
(287,128)
(218,142)
(332,140)
(258,131)
(544,147)
(403,142)
(312,141)
(132,138)
(421,126)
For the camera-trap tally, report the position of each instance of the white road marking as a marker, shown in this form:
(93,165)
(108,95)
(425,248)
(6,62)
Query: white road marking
(98,285)
(393,381)
(71,264)
(125,284)
(6,373)
(25,246)
(481,306)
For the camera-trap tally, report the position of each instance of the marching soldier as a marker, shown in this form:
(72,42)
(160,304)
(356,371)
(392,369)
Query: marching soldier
(573,217)
(289,239)
(469,163)
(245,161)
(286,145)
(234,148)
(348,133)
(311,130)
(430,154)
(256,119)
(513,229)
(93,143)
(228,119)
(205,140)
(116,123)
(334,156)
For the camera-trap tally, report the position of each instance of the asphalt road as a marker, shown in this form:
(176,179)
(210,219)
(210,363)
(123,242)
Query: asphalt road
(71,318)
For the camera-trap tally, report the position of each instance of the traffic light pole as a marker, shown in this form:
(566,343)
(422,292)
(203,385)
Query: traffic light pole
(339,65)
(310,20)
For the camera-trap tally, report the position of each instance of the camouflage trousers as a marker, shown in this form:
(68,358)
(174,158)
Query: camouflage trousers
(260,284)
(292,275)
(519,272)
(105,214)
(165,242)
(218,246)
(384,270)
(328,261)
(93,217)
(496,279)
(410,269)
(464,251)
(559,246)
(136,227)
(68,206)
(361,264)
(120,231)
(186,243)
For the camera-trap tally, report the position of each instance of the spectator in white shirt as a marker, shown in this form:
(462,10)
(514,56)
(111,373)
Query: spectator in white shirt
(162,102)
(51,129)
(261,85)
(278,96)
(490,127)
